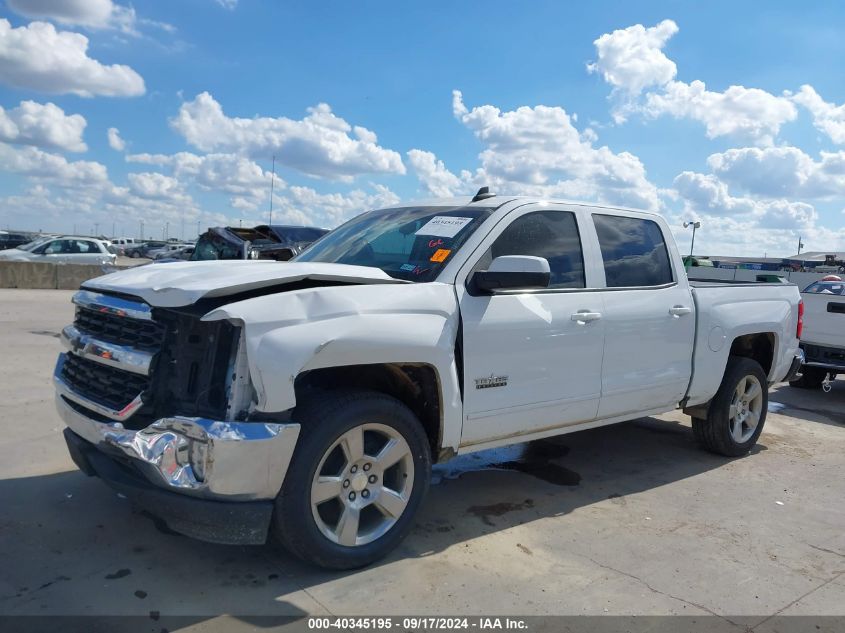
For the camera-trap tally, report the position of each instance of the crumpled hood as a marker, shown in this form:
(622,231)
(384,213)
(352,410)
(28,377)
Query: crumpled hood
(184,283)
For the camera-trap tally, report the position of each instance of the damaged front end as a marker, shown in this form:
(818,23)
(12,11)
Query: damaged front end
(157,402)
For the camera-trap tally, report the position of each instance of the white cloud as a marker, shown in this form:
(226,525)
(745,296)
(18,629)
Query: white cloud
(153,185)
(319,145)
(240,177)
(538,151)
(745,113)
(632,59)
(774,172)
(47,167)
(227,4)
(827,117)
(91,13)
(304,205)
(88,14)
(643,79)
(432,173)
(42,125)
(64,193)
(38,57)
(706,195)
(115,142)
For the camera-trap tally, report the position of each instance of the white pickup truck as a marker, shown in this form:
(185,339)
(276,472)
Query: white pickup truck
(823,337)
(308,400)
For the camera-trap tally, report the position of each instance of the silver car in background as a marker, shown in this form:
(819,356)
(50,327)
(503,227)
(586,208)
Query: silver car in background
(66,249)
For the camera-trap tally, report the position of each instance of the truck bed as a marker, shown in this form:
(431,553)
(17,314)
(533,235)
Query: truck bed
(700,283)
(726,310)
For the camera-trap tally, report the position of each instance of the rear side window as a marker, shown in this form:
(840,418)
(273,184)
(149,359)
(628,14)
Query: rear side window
(549,234)
(633,250)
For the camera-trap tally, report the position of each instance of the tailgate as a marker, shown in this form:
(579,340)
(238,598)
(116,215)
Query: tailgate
(824,319)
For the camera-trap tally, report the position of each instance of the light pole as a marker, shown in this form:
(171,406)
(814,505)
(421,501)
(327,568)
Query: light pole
(694,225)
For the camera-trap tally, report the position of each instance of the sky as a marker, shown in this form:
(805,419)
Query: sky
(161,117)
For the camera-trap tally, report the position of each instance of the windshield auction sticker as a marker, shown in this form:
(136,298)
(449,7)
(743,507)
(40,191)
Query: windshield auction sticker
(440,255)
(443,226)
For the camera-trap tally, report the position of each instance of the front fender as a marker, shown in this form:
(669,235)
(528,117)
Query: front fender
(292,332)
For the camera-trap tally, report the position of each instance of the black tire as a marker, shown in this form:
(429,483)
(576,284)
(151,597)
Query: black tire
(714,432)
(810,378)
(324,420)
(134,254)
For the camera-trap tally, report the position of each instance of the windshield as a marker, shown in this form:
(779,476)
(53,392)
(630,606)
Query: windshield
(412,243)
(34,244)
(827,288)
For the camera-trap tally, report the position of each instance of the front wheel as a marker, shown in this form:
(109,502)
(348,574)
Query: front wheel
(360,471)
(737,412)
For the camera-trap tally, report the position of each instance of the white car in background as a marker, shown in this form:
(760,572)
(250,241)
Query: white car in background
(823,336)
(62,250)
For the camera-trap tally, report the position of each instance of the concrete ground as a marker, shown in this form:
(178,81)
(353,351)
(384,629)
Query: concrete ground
(630,519)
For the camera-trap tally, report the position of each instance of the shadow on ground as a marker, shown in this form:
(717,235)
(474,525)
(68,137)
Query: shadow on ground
(813,405)
(72,546)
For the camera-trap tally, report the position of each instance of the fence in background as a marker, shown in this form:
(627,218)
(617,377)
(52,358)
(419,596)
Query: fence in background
(48,276)
(704,273)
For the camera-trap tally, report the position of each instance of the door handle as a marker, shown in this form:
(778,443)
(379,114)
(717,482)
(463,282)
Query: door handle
(583,316)
(677,311)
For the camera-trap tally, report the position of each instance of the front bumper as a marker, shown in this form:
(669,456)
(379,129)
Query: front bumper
(795,367)
(228,522)
(212,459)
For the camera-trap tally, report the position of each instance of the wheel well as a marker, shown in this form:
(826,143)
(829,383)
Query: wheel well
(759,347)
(417,386)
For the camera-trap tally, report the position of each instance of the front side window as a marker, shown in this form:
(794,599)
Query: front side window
(633,250)
(56,247)
(552,235)
(411,243)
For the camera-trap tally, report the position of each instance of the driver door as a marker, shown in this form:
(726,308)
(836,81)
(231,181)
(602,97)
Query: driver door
(55,251)
(530,363)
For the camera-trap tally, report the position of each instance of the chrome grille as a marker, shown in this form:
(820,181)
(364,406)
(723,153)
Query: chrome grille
(123,330)
(112,346)
(104,385)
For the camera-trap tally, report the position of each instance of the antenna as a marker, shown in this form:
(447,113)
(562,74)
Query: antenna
(483,194)
(272,181)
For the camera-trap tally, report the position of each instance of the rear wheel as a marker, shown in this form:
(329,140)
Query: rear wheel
(810,378)
(359,473)
(737,413)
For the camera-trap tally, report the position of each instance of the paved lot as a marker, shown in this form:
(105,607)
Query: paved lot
(631,519)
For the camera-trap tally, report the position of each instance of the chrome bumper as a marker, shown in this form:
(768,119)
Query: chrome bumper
(235,461)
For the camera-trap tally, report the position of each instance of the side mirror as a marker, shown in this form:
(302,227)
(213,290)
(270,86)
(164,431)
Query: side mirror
(513,272)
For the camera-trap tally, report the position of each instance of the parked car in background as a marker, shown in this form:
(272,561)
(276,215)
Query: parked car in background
(14,239)
(276,242)
(823,337)
(168,250)
(308,401)
(175,255)
(66,249)
(142,249)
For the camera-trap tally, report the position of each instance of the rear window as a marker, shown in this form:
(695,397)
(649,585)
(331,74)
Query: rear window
(826,288)
(633,250)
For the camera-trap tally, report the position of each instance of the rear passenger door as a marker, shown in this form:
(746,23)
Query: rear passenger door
(648,313)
